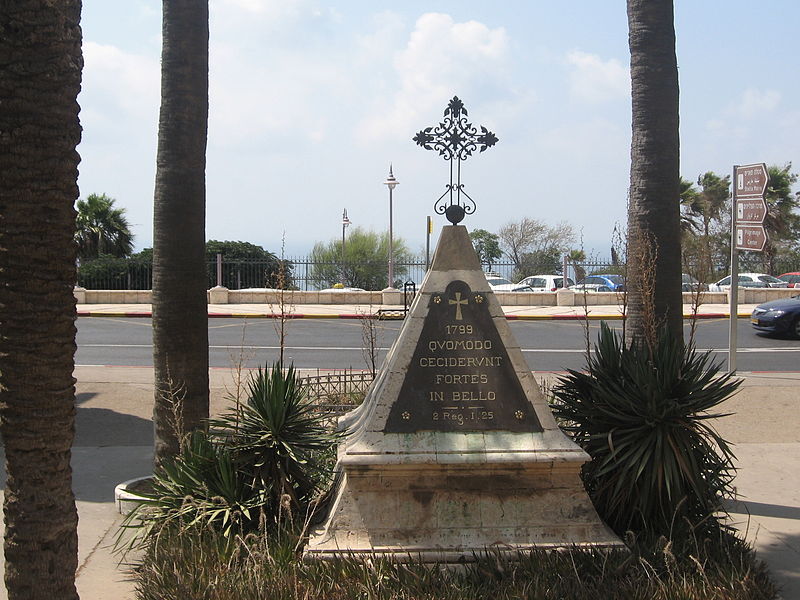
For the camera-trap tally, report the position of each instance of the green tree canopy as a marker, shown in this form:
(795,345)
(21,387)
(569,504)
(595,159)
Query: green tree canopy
(237,251)
(782,222)
(487,246)
(532,237)
(366,261)
(101,228)
(548,261)
(247,265)
(707,210)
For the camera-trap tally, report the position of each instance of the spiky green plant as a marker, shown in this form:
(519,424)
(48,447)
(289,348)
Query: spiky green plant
(199,487)
(260,464)
(642,415)
(278,438)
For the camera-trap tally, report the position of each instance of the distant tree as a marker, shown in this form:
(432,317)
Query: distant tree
(531,236)
(101,228)
(257,267)
(365,261)
(705,209)
(40,77)
(689,198)
(654,235)
(487,246)
(782,222)
(180,278)
(539,262)
(575,258)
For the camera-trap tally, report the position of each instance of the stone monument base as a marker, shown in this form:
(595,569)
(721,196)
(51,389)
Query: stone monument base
(408,507)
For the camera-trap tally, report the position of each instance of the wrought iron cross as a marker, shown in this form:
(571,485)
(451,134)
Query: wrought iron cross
(455,139)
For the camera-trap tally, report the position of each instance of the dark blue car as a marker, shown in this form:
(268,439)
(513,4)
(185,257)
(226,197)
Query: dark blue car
(778,316)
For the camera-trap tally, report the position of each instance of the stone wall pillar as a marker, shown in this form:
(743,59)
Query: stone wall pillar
(565,297)
(218,295)
(392,296)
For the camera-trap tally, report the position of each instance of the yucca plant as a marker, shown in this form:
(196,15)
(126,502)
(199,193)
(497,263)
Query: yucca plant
(642,415)
(278,438)
(199,487)
(257,465)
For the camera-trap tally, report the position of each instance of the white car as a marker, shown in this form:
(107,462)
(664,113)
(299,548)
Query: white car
(499,284)
(542,283)
(757,280)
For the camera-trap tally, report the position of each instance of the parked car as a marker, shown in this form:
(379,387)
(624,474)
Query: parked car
(778,316)
(793,279)
(542,283)
(499,284)
(600,283)
(757,280)
(690,284)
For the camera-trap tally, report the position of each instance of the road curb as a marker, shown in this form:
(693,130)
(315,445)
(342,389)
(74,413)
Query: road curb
(292,316)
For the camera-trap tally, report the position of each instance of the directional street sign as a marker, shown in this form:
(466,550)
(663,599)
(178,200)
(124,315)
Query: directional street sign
(750,184)
(747,232)
(750,180)
(750,237)
(751,210)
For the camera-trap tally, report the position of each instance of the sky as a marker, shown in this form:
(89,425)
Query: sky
(311,101)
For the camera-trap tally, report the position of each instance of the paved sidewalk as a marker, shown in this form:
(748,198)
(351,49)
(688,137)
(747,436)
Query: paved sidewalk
(356,311)
(114,439)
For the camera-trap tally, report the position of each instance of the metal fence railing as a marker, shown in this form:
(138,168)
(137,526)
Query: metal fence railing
(339,391)
(302,273)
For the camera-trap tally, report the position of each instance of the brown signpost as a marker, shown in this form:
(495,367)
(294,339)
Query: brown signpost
(751,180)
(750,237)
(750,183)
(749,209)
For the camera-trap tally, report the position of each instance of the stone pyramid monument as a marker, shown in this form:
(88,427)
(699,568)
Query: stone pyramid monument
(454,450)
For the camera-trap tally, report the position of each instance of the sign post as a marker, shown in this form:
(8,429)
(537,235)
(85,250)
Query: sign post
(748,210)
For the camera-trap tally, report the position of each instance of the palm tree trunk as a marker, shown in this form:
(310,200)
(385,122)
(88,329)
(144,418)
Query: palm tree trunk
(40,54)
(180,282)
(654,264)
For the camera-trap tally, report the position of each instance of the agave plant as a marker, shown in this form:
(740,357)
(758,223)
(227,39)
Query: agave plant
(642,415)
(272,447)
(198,487)
(278,438)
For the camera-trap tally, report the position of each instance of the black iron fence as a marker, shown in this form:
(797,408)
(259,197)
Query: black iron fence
(302,273)
(337,392)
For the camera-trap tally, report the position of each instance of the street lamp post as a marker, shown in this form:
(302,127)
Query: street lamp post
(391,183)
(345,223)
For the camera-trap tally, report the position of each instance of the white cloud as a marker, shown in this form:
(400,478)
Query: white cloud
(273,14)
(281,100)
(124,82)
(594,80)
(754,103)
(736,120)
(441,58)
(272,9)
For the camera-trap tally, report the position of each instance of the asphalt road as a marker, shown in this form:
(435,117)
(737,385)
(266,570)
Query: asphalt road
(337,344)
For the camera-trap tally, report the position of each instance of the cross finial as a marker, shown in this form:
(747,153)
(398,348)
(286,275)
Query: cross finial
(455,140)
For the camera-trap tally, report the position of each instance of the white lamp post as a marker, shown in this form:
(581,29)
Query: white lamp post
(345,223)
(391,183)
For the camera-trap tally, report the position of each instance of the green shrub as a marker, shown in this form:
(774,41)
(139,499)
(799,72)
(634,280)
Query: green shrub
(642,416)
(260,465)
(201,486)
(277,437)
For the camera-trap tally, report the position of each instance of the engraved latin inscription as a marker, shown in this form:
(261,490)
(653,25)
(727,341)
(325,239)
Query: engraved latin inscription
(460,377)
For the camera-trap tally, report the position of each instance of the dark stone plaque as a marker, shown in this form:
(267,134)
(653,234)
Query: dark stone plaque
(460,377)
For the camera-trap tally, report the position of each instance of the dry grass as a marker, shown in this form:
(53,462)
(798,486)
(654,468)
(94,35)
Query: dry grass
(202,565)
